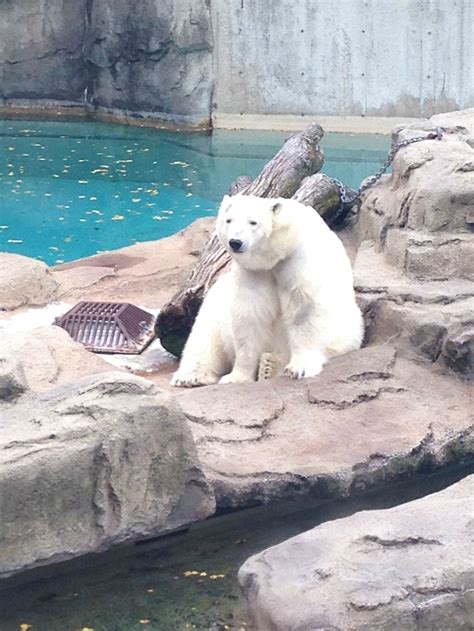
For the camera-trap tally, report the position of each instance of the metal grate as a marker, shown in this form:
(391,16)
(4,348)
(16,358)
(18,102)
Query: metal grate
(109,327)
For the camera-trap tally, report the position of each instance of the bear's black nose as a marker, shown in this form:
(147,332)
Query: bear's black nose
(235,244)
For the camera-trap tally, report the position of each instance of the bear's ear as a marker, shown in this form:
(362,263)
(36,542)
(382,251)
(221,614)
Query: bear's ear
(276,207)
(225,203)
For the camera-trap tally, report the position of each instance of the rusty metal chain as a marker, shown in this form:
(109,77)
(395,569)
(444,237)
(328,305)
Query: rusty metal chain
(347,201)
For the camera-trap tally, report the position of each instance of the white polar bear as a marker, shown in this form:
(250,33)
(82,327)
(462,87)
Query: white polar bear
(289,292)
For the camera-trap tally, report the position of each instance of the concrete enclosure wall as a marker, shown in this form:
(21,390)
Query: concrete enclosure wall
(186,60)
(343,57)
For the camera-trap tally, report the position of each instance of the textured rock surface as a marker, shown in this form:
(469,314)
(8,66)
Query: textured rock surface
(24,281)
(41,50)
(402,569)
(416,229)
(138,58)
(12,377)
(151,57)
(424,315)
(48,357)
(99,461)
(145,274)
(369,419)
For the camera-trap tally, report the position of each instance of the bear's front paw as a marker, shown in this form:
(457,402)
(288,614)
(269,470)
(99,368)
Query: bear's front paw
(305,366)
(236,377)
(192,379)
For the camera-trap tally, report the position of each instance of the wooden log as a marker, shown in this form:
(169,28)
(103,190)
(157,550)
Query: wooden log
(241,183)
(323,194)
(299,158)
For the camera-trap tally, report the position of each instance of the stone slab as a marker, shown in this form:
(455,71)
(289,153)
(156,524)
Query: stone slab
(408,568)
(370,418)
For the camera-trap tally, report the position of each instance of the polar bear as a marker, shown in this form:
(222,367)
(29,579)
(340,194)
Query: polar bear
(289,292)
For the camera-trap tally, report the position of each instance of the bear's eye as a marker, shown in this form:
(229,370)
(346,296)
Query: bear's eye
(228,220)
(253,223)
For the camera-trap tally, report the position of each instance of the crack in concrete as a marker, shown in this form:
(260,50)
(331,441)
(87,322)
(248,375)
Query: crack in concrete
(50,53)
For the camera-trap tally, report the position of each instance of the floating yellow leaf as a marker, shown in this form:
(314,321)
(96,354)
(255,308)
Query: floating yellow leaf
(118,218)
(24,626)
(150,590)
(145,621)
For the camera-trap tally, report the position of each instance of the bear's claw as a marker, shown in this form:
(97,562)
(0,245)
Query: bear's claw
(192,380)
(304,369)
(235,378)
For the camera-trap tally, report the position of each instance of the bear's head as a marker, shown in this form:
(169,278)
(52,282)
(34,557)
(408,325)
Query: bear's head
(255,230)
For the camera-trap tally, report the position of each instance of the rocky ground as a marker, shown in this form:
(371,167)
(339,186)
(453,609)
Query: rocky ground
(400,406)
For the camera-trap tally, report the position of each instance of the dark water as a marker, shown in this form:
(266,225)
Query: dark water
(185,581)
(69,190)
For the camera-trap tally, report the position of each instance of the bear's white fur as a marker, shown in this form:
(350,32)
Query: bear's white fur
(289,292)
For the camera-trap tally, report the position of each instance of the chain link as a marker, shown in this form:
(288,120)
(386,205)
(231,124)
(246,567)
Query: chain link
(347,201)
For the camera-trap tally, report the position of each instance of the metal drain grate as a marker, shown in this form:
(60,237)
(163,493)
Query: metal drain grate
(109,327)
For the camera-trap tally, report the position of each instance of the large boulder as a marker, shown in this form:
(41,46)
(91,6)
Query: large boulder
(415,229)
(404,569)
(48,357)
(371,418)
(99,461)
(24,281)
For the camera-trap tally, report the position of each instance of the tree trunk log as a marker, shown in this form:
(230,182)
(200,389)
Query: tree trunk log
(291,173)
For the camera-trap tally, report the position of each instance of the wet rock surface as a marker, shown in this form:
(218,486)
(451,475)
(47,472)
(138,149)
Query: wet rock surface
(24,282)
(99,461)
(404,568)
(146,274)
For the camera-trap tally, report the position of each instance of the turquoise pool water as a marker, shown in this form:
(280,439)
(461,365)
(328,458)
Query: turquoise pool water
(69,190)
